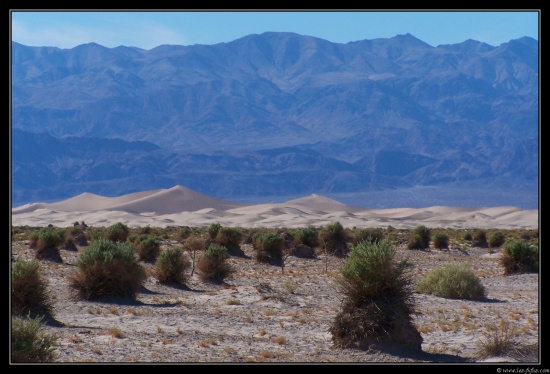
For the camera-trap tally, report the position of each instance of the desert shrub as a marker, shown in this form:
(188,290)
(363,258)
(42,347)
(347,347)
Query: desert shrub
(33,239)
(415,241)
(184,232)
(441,241)
(479,239)
(147,248)
(369,233)
(95,234)
(518,256)
(213,230)
(47,246)
(117,232)
(144,230)
(268,247)
(76,235)
(333,238)
(228,236)
(28,343)
(467,236)
(377,304)
(213,265)
(424,233)
(307,236)
(107,269)
(29,290)
(452,281)
(172,266)
(496,239)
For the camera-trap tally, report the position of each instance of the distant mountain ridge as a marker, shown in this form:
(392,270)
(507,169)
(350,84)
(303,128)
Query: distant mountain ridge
(272,114)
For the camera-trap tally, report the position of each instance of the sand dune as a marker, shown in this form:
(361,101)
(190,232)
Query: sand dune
(180,206)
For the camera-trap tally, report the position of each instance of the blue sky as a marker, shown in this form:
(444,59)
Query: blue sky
(149,29)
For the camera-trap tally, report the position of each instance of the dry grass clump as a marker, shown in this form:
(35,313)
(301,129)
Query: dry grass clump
(500,340)
(452,281)
(107,269)
(378,304)
(29,290)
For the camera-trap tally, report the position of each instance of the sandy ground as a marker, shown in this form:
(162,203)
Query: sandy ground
(255,318)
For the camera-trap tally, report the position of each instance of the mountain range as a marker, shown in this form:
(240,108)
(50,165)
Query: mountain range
(275,114)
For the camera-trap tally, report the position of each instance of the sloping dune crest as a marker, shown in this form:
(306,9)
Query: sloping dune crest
(178,206)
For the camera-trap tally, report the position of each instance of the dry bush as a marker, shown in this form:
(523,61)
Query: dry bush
(28,343)
(29,290)
(213,266)
(518,256)
(172,266)
(377,307)
(107,269)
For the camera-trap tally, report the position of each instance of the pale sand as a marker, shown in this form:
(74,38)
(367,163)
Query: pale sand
(180,206)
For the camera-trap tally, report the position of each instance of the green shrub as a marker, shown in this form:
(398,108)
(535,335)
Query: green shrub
(145,230)
(28,343)
(373,234)
(452,281)
(518,256)
(183,233)
(107,269)
(213,265)
(479,238)
(425,235)
(228,236)
(47,245)
(307,236)
(333,239)
(49,237)
(172,266)
(377,306)
(268,247)
(441,241)
(496,239)
(147,248)
(33,240)
(415,241)
(467,236)
(117,232)
(213,230)
(29,290)
(95,234)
